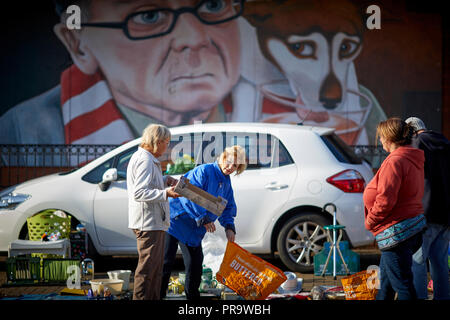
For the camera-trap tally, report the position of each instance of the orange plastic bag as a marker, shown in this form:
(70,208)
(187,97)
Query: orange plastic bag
(248,275)
(360,286)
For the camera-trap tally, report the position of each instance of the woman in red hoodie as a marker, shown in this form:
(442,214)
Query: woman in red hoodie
(393,208)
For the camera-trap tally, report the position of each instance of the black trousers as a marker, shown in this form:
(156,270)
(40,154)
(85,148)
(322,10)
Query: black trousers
(193,260)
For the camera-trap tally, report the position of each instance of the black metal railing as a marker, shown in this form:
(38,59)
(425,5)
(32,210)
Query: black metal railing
(55,155)
(19,163)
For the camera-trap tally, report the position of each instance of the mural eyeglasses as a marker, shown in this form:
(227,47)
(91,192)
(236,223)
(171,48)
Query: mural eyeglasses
(159,22)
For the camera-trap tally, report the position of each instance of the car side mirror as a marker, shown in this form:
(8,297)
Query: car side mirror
(109,176)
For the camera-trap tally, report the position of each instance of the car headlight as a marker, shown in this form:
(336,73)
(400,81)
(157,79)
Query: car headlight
(11,200)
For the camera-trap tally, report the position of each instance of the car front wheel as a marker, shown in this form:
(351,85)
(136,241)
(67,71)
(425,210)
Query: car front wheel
(302,237)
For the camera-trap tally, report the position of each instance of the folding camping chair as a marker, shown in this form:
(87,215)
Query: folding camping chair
(334,244)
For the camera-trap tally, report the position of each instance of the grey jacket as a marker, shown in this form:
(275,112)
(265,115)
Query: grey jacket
(34,121)
(148,206)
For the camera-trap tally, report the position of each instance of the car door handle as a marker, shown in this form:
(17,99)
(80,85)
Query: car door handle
(275,186)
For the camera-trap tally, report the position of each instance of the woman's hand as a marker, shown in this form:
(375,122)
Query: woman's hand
(230,235)
(172,194)
(210,227)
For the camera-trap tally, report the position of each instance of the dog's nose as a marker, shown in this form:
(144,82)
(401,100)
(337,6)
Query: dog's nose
(330,94)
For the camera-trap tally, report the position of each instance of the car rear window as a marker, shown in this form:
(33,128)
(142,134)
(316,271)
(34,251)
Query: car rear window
(340,149)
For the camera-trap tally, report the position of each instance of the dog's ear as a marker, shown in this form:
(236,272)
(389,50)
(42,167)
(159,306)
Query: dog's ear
(256,13)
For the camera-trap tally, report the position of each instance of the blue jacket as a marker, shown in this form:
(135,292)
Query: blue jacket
(187,218)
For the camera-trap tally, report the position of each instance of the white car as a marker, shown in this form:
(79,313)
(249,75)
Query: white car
(293,172)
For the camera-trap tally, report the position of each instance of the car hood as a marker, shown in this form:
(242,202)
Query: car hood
(32,182)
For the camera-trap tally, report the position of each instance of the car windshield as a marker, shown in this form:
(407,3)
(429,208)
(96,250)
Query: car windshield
(120,162)
(340,149)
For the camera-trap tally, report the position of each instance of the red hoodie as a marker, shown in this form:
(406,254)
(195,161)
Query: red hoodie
(395,193)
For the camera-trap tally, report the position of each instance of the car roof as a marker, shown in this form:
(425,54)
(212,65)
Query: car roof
(244,126)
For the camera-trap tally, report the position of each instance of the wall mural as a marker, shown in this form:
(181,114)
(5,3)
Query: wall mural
(327,63)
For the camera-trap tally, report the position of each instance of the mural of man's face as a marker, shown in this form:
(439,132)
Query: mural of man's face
(190,69)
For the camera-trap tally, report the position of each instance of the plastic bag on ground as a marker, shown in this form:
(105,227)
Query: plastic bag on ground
(214,247)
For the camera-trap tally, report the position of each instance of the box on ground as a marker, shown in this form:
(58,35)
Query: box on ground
(24,270)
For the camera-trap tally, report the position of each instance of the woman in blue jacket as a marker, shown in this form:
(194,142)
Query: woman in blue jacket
(189,222)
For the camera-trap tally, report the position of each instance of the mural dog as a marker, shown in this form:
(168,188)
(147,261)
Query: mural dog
(313,43)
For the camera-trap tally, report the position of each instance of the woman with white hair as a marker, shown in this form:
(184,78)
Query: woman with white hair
(189,222)
(148,209)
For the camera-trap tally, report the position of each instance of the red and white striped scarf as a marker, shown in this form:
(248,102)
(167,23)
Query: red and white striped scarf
(90,114)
